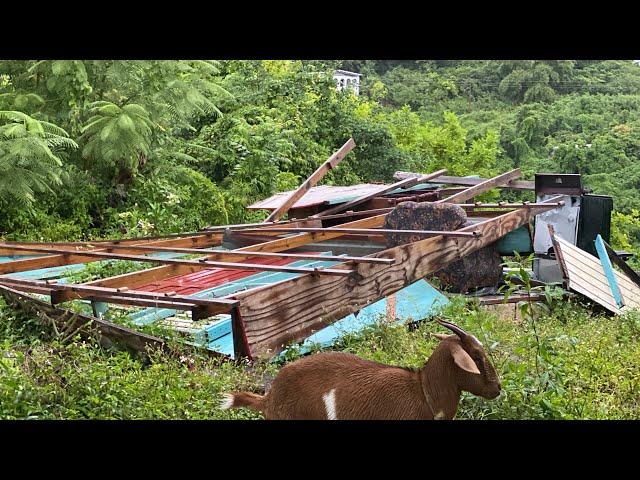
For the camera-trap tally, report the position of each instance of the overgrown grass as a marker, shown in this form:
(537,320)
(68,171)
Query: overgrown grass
(582,365)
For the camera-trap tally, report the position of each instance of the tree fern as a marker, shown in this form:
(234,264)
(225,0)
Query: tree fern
(116,136)
(29,160)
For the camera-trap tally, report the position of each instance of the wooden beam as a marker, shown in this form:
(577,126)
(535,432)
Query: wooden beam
(315,177)
(224,228)
(201,264)
(514,185)
(63,292)
(407,182)
(83,291)
(364,231)
(49,261)
(559,257)
(482,187)
(313,304)
(222,255)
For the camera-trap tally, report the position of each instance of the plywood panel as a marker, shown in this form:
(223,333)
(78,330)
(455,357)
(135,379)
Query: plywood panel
(587,277)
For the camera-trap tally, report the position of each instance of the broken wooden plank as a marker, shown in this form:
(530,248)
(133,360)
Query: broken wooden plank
(407,182)
(315,177)
(70,320)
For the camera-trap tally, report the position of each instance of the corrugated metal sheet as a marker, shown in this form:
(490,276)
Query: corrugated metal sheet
(208,278)
(319,195)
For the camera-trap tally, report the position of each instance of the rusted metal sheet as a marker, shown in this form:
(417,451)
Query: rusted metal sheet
(323,194)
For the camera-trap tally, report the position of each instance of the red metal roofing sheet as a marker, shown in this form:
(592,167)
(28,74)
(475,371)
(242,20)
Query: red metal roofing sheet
(208,278)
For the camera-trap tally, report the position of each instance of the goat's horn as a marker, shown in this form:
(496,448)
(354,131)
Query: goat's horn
(454,328)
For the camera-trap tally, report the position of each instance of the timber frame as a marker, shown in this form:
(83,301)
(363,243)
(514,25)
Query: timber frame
(266,318)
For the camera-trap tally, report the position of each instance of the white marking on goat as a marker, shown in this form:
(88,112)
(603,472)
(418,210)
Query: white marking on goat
(227,401)
(439,415)
(330,404)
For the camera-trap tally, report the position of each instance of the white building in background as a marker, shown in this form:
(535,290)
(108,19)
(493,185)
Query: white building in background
(345,79)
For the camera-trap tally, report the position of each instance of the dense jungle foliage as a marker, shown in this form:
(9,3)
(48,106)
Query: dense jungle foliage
(94,149)
(104,149)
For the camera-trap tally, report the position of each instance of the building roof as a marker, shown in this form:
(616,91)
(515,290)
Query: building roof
(347,73)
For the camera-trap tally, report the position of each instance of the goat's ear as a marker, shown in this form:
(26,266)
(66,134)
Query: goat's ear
(440,336)
(463,359)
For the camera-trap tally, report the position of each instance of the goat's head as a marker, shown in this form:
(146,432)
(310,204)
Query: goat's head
(474,371)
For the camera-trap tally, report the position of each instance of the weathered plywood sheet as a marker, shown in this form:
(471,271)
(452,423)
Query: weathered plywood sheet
(587,277)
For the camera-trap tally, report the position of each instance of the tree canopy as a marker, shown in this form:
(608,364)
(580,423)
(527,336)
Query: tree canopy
(91,149)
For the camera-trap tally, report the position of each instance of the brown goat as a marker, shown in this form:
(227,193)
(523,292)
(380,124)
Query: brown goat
(344,386)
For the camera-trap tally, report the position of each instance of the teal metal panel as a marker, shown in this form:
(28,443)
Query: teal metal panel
(415,302)
(517,240)
(608,271)
(10,258)
(99,308)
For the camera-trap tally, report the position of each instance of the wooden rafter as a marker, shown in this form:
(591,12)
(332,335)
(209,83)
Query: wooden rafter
(361,231)
(171,261)
(132,338)
(58,260)
(222,255)
(314,178)
(482,187)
